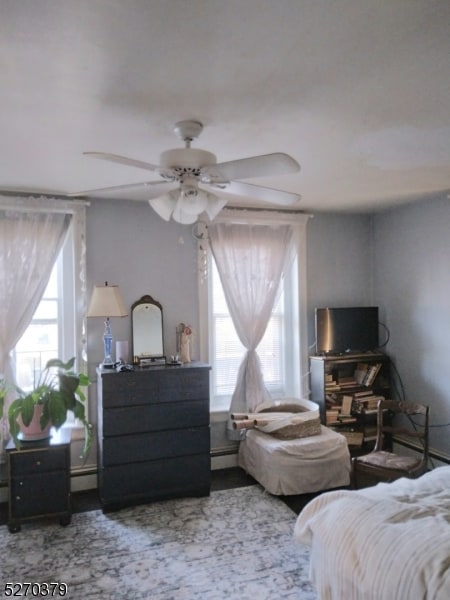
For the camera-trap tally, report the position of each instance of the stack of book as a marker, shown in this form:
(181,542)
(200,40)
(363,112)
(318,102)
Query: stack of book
(367,404)
(332,415)
(365,373)
(330,384)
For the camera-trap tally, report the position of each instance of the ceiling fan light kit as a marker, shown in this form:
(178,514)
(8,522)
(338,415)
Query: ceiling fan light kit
(190,168)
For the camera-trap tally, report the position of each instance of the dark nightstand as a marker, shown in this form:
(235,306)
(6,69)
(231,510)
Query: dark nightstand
(39,480)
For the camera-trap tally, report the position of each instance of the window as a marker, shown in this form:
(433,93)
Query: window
(278,350)
(56,329)
(51,332)
(39,343)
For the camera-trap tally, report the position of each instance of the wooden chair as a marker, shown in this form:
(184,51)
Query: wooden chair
(410,421)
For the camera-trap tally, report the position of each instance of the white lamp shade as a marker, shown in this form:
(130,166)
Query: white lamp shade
(164,205)
(106,301)
(215,205)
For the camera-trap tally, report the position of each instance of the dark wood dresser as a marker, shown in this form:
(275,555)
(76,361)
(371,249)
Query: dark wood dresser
(154,436)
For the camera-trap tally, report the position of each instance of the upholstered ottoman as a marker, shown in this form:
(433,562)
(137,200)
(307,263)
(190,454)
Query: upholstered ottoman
(296,466)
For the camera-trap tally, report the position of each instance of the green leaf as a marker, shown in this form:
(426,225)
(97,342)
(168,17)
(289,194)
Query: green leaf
(14,408)
(14,430)
(81,396)
(68,383)
(78,411)
(27,412)
(54,363)
(84,380)
(57,410)
(45,417)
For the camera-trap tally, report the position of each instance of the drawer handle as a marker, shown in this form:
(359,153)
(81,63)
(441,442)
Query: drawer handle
(38,463)
(18,498)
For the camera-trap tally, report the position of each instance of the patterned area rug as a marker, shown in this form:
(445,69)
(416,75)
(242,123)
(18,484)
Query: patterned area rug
(234,544)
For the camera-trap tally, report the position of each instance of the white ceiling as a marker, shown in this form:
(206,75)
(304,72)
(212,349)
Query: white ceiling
(357,91)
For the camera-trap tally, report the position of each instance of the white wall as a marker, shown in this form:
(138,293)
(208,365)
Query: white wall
(412,287)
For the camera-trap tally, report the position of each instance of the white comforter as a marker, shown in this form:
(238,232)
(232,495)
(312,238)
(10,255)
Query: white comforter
(387,542)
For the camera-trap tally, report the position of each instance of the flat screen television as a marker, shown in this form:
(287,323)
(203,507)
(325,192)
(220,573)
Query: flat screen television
(350,329)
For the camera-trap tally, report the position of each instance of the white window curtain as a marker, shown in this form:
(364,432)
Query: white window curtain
(30,243)
(32,232)
(250,259)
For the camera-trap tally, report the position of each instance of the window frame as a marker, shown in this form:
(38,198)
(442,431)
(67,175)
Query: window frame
(298,360)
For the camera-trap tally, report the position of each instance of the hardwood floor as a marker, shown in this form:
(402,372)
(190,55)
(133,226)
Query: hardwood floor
(221,479)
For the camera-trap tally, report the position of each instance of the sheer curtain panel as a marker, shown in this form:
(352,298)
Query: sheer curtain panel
(250,260)
(30,240)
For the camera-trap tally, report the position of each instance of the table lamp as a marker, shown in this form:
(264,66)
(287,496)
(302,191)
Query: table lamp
(107,302)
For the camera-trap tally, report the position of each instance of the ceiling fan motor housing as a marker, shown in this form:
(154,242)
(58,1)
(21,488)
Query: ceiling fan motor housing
(187,160)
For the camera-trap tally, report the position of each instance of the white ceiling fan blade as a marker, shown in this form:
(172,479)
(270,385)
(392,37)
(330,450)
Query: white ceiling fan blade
(164,205)
(265,165)
(123,160)
(257,192)
(130,162)
(153,189)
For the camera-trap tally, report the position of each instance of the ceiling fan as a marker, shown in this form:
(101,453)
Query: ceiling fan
(189,173)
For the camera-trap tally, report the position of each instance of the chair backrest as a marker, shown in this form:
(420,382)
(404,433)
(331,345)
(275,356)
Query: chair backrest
(403,419)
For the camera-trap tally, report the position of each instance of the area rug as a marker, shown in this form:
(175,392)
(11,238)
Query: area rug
(234,544)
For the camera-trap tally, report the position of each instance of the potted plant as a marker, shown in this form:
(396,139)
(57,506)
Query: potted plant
(57,391)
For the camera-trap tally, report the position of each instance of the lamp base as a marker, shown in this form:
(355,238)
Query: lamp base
(107,365)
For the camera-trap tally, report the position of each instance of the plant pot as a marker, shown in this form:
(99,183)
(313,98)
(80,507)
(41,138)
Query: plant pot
(33,431)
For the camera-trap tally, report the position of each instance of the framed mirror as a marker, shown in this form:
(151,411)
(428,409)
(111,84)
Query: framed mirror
(147,329)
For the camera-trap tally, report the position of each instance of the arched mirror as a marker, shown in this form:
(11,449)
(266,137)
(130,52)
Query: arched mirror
(147,328)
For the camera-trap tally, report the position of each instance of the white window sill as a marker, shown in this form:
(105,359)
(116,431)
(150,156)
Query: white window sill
(218,415)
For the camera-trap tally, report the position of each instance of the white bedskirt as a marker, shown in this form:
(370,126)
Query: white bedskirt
(300,466)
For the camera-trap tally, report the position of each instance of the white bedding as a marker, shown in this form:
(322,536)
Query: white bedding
(387,542)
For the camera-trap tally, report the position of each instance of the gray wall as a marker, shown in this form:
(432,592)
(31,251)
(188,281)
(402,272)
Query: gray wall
(397,260)
(412,287)
(338,259)
(130,246)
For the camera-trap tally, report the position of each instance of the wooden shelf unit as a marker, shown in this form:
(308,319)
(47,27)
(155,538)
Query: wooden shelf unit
(339,379)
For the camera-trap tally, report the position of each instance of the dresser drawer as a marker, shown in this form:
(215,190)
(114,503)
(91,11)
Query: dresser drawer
(155,417)
(127,388)
(160,444)
(187,475)
(184,384)
(23,462)
(154,386)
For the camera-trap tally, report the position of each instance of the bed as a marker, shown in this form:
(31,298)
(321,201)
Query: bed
(390,541)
